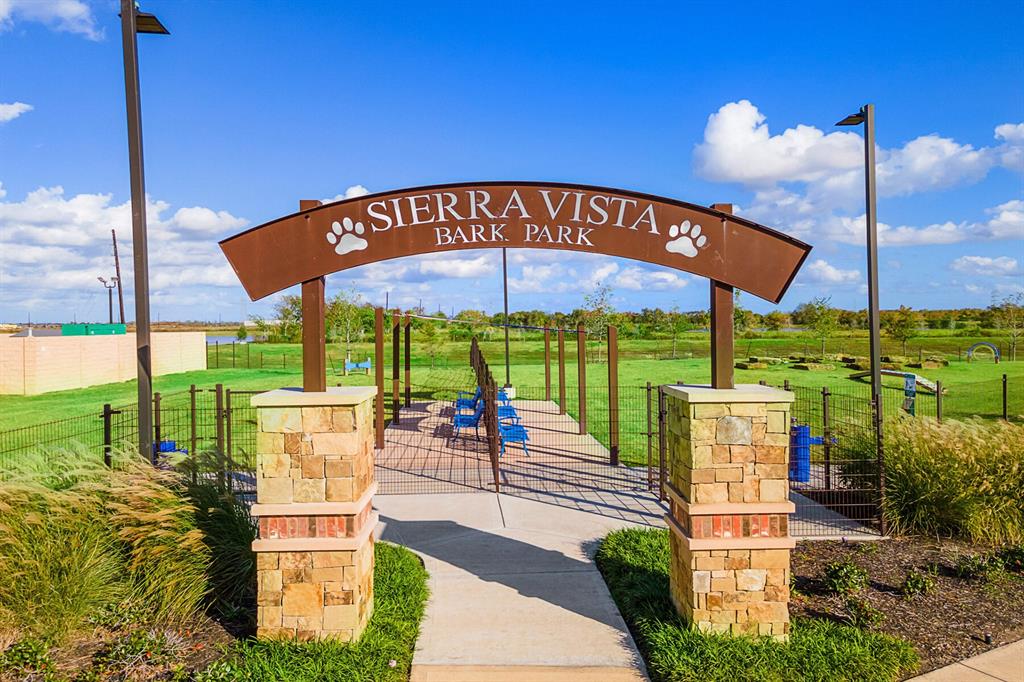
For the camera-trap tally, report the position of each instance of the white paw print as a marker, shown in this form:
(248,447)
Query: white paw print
(344,236)
(685,240)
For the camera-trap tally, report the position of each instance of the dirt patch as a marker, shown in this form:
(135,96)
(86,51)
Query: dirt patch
(949,623)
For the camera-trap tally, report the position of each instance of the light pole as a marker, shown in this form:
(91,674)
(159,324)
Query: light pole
(866,115)
(109,285)
(134,22)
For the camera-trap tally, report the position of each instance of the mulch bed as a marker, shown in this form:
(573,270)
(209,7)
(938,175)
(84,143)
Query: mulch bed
(948,624)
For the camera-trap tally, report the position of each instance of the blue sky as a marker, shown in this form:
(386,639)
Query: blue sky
(249,107)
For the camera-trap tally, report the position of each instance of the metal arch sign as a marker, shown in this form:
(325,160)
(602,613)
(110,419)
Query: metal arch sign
(316,242)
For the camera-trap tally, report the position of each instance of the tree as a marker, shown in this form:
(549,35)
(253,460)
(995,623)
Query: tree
(597,310)
(243,333)
(287,325)
(1009,316)
(821,318)
(343,317)
(742,319)
(776,320)
(901,325)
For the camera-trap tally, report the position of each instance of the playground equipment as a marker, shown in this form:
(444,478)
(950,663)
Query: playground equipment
(366,365)
(984,344)
(919,380)
(800,442)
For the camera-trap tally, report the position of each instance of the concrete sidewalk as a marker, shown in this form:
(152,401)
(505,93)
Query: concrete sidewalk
(515,594)
(1005,663)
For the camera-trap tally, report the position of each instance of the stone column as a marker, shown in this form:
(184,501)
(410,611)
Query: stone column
(314,495)
(728,489)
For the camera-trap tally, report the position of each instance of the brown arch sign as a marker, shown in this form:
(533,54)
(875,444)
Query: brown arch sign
(328,238)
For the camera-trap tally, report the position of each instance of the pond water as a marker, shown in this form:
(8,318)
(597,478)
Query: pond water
(222,339)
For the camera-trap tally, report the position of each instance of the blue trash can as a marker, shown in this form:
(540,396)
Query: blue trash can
(800,453)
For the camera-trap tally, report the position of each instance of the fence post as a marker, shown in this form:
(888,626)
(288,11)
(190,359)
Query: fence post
(107,433)
(193,436)
(228,454)
(561,371)
(826,436)
(547,364)
(216,353)
(1005,412)
(662,438)
(613,394)
(232,355)
(785,385)
(650,442)
(261,359)
(581,371)
(219,416)
(157,428)
(938,400)
(408,361)
(248,355)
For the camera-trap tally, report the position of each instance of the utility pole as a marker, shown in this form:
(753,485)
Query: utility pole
(117,275)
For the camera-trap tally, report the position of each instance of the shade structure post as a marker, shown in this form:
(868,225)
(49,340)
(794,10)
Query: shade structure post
(407,324)
(547,364)
(378,367)
(396,366)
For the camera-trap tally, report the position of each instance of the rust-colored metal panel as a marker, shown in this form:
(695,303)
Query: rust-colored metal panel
(377,227)
(722,353)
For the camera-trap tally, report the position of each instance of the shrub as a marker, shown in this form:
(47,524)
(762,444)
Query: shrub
(1012,557)
(917,582)
(29,657)
(978,567)
(861,613)
(845,577)
(955,478)
(81,540)
(228,532)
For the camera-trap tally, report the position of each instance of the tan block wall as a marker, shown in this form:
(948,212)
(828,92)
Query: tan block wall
(40,364)
(315,455)
(729,477)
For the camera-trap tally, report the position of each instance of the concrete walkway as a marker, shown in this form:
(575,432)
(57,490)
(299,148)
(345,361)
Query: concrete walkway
(1005,663)
(515,594)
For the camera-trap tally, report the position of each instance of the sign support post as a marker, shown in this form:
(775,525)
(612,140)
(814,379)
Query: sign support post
(722,335)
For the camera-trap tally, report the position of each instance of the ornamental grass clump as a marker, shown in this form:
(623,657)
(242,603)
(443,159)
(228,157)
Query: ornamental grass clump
(955,478)
(79,539)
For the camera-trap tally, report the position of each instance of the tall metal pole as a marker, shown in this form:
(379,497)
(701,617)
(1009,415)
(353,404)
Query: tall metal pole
(110,305)
(504,283)
(872,220)
(129,46)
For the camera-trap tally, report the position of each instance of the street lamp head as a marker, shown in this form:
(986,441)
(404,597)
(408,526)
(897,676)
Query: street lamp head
(148,23)
(852,119)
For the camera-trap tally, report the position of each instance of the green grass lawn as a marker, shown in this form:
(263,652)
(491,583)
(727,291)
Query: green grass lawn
(635,564)
(384,652)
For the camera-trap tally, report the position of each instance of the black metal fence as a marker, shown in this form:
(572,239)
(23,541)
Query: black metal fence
(210,432)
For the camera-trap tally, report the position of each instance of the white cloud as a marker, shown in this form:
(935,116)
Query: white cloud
(53,247)
(459,268)
(70,16)
(349,193)
(823,272)
(986,266)
(9,112)
(636,278)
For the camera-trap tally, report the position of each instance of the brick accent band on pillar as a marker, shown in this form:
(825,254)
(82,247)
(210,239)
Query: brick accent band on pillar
(314,504)
(728,489)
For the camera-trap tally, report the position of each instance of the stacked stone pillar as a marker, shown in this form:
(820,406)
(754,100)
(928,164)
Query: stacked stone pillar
(314,495)
(728,488)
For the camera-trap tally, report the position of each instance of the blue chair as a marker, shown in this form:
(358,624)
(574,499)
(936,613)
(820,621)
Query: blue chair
(512,431)
(507,410)
(465,421)
(464,403)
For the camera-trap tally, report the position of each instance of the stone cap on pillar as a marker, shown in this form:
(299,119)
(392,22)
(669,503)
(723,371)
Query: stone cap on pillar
(742,393)
(296,397)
